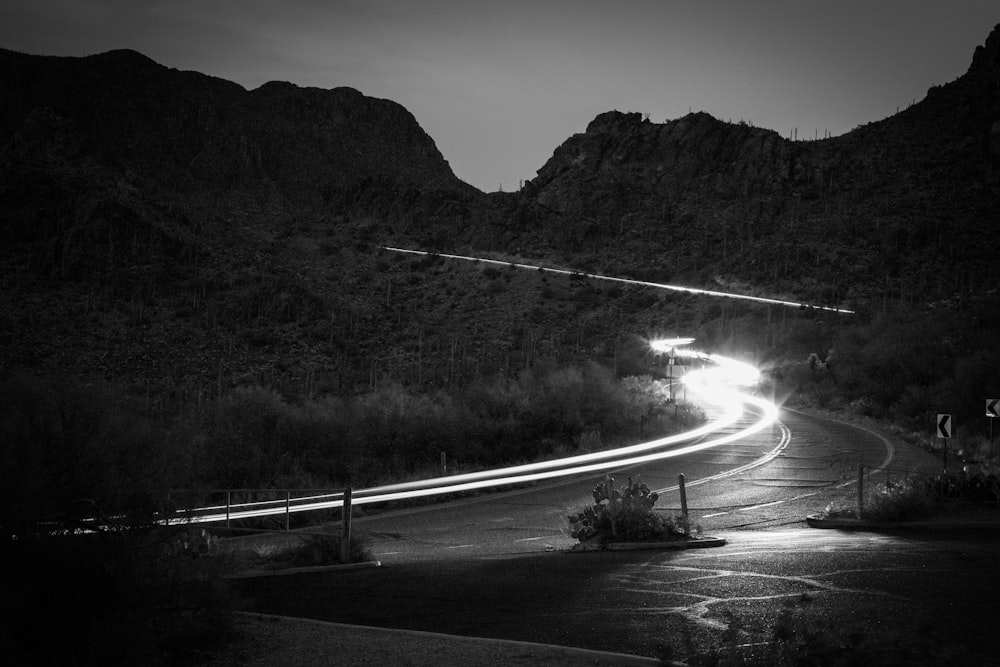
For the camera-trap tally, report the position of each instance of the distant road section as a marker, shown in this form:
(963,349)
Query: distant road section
(628,281)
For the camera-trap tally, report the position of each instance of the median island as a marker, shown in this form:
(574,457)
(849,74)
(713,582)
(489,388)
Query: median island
(623,519)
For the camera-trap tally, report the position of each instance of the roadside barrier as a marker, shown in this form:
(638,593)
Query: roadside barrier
(229,505)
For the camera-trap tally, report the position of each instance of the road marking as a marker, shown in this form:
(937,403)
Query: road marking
(460,546)
(753,507)
(786,437)
(530,539)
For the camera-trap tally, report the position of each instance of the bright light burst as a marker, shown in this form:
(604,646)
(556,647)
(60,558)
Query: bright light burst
(669,344)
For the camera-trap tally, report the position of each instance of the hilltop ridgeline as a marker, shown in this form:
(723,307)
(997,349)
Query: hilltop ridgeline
(196,133)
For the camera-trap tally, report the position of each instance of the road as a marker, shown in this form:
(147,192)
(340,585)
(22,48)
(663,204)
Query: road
(816,464)
(499,566)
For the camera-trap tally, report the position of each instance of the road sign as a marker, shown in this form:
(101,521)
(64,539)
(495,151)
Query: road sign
(993,407)
(944,426)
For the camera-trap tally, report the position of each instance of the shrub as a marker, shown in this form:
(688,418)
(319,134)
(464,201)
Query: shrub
(626,515)
(324,550)
(897,501)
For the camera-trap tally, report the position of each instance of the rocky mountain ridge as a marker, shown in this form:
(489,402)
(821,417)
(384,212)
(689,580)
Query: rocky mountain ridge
(192,132)
(902,200)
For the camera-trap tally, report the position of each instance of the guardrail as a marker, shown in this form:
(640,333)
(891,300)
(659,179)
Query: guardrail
(217,505)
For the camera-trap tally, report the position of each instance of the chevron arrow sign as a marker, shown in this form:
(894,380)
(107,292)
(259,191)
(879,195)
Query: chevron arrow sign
(944,426)
(993,407)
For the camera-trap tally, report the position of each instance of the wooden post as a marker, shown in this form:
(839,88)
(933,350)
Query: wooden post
(684,504)
(345,536)
(861,488)
(229,498)
(609,490)
(288,508)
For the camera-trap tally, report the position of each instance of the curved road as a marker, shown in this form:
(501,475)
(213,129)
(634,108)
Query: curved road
(498,566)
(815,463)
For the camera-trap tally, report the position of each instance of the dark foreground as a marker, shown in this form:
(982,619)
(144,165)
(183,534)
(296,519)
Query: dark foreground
(891,599)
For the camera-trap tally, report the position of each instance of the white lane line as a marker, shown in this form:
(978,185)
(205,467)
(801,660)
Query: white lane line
(530,539)
(753,507)
(460,546)
(786,437)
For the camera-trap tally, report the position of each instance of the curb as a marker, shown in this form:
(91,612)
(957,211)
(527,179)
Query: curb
(250,574)
(817,521)
(702,543)
(583,653)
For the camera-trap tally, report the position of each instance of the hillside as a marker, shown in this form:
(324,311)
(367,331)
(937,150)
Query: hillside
(182,235)
(159,223)
(896,209)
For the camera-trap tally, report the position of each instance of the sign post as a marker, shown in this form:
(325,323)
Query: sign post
(992,411)
(670,367)
(944,432)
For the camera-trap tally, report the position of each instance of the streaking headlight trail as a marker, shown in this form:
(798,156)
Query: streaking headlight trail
(628,281)
(718,385)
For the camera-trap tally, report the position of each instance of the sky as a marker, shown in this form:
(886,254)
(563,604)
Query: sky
(500,85)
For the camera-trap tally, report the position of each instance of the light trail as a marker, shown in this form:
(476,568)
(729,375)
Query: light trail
(628,281)
(713,385)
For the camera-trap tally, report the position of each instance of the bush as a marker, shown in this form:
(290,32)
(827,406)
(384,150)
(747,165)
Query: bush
(324,550)
(624,516)
(898,501)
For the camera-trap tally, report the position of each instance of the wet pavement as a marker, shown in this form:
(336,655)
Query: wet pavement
(918,594)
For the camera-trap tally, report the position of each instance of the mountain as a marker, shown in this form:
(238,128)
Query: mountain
(896,208)
(150,217)
(182,235)
(194,132)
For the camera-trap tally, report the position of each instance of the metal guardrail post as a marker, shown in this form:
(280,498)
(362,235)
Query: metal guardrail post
(345,538)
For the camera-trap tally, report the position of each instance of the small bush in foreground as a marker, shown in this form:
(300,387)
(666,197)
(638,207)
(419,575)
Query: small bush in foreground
(624,515)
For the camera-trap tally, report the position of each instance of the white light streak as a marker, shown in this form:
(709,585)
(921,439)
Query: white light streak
(715,385)
(675,288)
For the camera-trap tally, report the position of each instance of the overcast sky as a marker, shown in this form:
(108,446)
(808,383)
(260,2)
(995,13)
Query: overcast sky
(499,85)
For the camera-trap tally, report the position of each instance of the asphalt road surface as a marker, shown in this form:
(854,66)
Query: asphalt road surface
(499,566)
(816,464)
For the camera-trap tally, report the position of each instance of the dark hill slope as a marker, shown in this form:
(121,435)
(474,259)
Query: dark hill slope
(164,226)
(897,207)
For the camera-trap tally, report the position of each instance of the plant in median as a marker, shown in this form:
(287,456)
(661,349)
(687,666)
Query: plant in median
(319,549)
(897,501)
(624,515)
